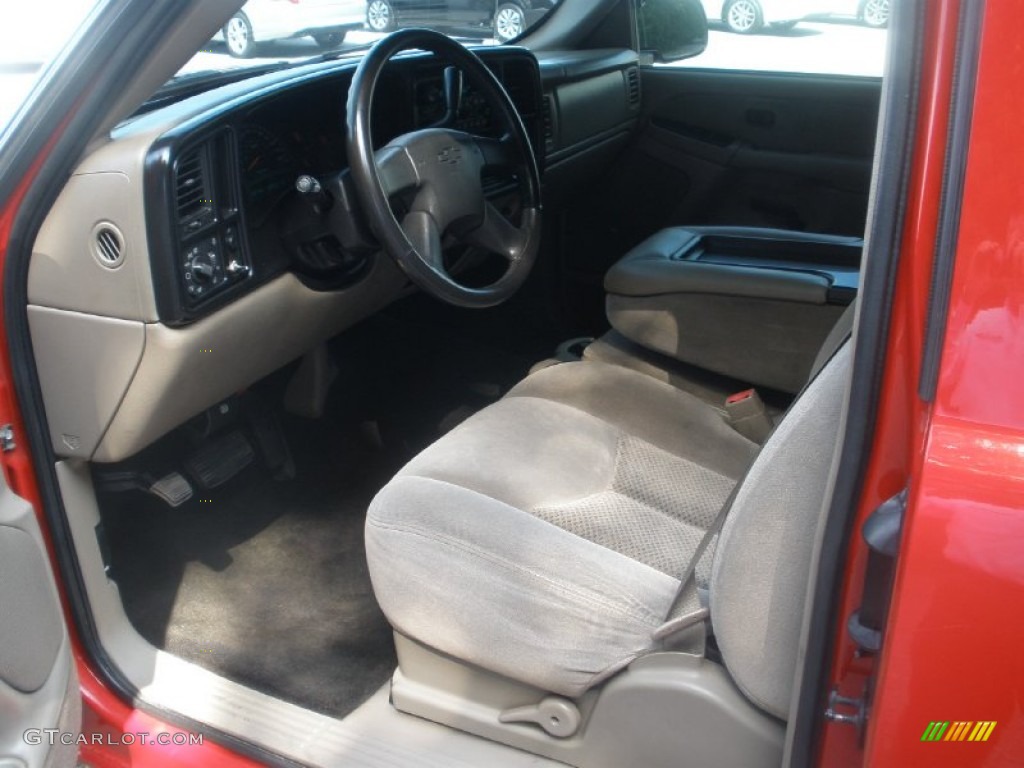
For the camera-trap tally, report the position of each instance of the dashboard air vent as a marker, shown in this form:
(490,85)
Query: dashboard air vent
(108,245)
(633,86)
(549,121)
(192,190)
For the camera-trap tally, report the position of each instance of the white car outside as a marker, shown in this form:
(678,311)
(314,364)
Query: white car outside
(749,16)
(326,21)
(872,13)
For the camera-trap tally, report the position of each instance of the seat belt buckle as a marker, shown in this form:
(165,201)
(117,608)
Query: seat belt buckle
(748,416)
(739,397)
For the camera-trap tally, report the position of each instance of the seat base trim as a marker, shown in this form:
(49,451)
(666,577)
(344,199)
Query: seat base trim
(624,722)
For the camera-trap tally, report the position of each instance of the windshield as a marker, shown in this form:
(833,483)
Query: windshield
(31,35)
(268,31)
(262,33)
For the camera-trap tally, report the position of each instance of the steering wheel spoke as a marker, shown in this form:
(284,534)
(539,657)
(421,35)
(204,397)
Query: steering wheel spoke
(496,234)
(497,153)
(425,237)
(396,170)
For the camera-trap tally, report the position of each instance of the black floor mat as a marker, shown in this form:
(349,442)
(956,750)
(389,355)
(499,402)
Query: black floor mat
(265,581)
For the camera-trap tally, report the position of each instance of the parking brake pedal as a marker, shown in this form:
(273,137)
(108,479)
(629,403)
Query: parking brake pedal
(220,460)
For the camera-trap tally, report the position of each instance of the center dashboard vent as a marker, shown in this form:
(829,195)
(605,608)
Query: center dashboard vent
(208,243)
(633,86)
(193,192)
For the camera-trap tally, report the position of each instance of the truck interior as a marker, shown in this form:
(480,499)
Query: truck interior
(454,409)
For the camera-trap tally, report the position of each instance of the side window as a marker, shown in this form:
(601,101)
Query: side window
(833,37)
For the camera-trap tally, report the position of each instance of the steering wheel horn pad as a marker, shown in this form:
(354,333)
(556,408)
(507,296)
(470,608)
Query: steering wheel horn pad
(440,169)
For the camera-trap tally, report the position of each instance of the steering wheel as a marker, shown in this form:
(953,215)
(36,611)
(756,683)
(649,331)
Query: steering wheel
(440,169)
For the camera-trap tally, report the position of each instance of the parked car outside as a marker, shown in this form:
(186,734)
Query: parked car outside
(747,17)
(505,19)
(326,21)
(870,13)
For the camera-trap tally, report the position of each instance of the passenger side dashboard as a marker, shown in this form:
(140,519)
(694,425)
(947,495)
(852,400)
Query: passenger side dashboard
(592,103)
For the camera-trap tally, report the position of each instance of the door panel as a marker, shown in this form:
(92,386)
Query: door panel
(728,148)
(790,151)
(38,684)
(736,148)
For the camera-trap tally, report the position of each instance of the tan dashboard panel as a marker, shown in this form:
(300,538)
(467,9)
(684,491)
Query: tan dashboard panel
(113,378)
(185,370)
(91,253)
(85,364)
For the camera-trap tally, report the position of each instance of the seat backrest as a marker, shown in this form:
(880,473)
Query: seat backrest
(761,567)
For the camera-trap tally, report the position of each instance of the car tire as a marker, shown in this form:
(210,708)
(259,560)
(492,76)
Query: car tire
(874,13)
(328,41)
(509,22)
(238,36)
(743,17)
(380,16)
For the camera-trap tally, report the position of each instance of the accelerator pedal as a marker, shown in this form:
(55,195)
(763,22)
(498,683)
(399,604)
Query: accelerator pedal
(272,445)
(220,460)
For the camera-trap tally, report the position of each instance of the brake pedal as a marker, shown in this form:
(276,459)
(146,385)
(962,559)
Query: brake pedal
(173,489)
(220,460)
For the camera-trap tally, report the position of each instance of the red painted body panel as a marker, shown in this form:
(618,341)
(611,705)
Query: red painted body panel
(107,716)
(955,642)
(902,417)
(104,714)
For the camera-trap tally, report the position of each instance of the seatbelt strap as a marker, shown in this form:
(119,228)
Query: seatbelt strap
(696,613)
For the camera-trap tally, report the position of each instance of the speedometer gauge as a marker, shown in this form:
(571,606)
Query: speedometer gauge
(475,114)
(268,170)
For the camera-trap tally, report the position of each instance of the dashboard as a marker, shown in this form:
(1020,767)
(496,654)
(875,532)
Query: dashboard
(225,215)
(180,264)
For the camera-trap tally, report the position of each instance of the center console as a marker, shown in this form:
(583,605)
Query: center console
(753,304)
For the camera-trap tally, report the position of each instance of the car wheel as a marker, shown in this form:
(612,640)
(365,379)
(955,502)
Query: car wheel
(509,22)
(875,13)
(743,16)
(380,16)
(238,36)
(329,40)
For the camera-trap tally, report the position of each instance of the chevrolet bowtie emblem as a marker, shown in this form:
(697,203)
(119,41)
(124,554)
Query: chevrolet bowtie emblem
(450,155)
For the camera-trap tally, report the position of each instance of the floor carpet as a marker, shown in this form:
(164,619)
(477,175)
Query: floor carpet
(265,581)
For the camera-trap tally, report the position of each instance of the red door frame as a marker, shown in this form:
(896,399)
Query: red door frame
(953,644)
(106,719)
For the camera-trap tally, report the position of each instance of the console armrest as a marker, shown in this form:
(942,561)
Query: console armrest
(750,303)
